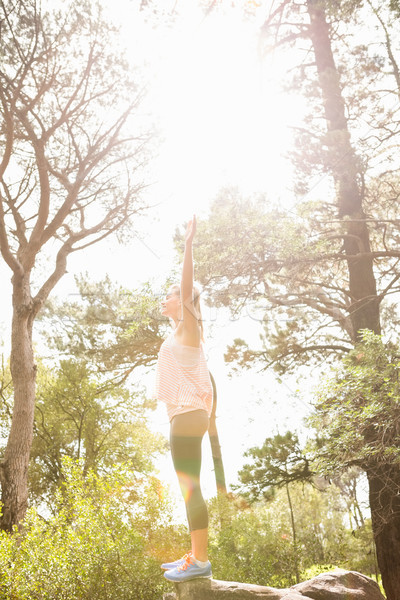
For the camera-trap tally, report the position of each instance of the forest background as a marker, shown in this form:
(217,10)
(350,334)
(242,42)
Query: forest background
(297,256)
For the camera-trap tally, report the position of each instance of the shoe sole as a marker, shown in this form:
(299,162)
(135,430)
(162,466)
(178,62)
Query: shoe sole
(190,578)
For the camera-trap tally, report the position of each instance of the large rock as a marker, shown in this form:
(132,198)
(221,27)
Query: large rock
(340,585)
(336,585)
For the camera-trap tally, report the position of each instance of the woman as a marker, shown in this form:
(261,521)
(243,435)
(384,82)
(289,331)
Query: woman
(183,383)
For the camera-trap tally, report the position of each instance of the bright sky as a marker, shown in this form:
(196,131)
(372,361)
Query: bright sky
(224,121)
(221,115)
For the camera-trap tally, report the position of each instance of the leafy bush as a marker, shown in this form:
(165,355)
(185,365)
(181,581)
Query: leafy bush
(99,543)
(358,411)
(104,538)
(255,542)
(253,545)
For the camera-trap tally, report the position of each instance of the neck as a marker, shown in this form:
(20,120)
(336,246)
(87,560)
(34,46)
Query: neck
(174,322)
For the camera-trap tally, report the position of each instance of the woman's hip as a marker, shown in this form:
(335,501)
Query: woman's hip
(193,423)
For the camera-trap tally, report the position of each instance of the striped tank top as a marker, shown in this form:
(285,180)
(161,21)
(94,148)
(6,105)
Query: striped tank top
(182,378)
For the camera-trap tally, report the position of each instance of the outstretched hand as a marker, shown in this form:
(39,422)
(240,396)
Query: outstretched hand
(190,230)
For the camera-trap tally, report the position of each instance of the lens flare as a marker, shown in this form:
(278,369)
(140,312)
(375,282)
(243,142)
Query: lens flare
(187,485)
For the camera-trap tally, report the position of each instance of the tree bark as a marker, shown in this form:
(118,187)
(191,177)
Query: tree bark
(215,445)
(45,103)
(384,500)
(384,480)
(364,309)
(14,467)
(297,574)
(217,458)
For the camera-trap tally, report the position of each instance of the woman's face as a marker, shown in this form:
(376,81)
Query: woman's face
(171,305)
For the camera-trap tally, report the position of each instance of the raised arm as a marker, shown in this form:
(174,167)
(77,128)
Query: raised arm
(190,327)
(187,269)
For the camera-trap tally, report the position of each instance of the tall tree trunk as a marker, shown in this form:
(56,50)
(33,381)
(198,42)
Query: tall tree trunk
(296,564)
(217,459)
(384,500)
(14,467)
(215,445)
(364,309)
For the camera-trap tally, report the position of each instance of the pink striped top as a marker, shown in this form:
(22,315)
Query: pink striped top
(182,378)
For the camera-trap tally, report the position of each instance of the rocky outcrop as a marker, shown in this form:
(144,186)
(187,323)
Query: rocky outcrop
(336,585)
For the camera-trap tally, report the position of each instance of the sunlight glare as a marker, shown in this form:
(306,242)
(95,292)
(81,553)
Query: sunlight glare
(223,118)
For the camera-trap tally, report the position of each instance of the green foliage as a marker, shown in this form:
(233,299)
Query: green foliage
(395,7)
(279,269)
(86,405)
(255,543)
(252,546)
(239,243)
(98,544)
(288,268)
(278,462)
(114,328)
(83,415)
(358,411)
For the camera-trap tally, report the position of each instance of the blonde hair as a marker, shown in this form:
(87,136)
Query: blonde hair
(196,305)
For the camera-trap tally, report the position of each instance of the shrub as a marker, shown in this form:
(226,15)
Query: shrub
(97,543)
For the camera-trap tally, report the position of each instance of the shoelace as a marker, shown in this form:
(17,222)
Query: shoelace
(188,561)
(184,558)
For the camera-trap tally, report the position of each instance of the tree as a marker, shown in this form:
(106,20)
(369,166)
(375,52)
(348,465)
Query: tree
(114,329)
(325,272)
(87,405)
(215,445)
(256,543)
(104,537)
(277,463)
(358,418)
(364,309)
(87,417)
(69,176)
(348,483)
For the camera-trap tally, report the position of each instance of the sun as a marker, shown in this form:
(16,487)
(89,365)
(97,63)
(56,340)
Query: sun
(218,104)
(224,115)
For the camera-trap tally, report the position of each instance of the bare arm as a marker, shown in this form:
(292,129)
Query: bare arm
(187,269)
(190,331)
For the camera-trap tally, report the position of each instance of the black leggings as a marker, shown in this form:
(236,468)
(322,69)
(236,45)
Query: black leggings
(187,431)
